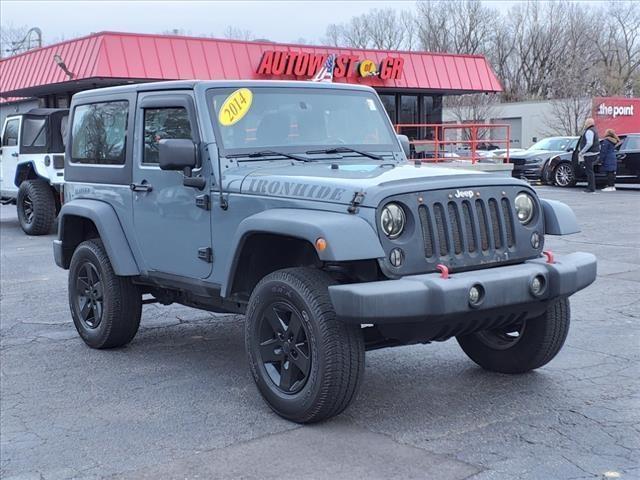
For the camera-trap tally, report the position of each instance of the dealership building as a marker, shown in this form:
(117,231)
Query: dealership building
(410,84)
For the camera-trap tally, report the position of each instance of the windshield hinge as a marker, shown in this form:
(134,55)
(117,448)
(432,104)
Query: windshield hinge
(203,201)
(358,198)
(206,254)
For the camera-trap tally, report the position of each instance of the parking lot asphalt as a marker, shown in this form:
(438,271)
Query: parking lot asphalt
(179,401)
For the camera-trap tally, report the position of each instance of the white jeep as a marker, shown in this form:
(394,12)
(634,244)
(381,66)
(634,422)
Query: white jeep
(32,166)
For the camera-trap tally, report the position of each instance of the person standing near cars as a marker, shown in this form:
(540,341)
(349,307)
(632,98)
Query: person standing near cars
(588,150)
(608,159)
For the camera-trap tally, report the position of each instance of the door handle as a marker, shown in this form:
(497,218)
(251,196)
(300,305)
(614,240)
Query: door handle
(14,154)
(141,187)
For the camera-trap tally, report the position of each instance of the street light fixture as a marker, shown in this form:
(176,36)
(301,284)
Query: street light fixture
(60,62)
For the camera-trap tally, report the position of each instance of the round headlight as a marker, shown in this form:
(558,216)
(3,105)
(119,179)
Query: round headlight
(392,220)
(525,207)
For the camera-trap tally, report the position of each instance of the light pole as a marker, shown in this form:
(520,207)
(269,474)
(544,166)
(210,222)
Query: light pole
(26,43)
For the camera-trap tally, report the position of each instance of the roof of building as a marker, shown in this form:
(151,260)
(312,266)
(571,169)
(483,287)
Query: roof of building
(107,58)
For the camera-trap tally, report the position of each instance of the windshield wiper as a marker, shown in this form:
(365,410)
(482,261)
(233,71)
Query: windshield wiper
(268,153)
(346,150)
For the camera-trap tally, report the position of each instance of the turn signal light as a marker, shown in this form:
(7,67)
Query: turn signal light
(321,244)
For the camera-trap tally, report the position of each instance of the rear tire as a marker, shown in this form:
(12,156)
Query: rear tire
(306,363)
(105,307)
(564,175)
(36,207)
(539,341)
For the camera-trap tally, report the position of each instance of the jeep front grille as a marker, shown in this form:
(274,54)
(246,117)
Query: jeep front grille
(464,226)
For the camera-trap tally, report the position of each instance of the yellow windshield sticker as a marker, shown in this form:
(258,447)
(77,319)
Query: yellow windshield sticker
(235,107)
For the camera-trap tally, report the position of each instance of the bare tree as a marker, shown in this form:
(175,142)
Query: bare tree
(385,29)
(474,108)
(539,50)
(618,45)
(14,40)
(455,27)
(567,116)
(236,33)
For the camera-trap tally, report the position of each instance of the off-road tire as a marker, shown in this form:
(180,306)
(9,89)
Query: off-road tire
(558,177)
(541,340)
(336,349)
(121,299)
(36,207)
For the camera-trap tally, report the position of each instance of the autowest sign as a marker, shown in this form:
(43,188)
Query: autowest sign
(620,114)
(301,64)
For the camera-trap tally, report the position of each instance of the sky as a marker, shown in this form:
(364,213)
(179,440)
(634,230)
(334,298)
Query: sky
(279,21)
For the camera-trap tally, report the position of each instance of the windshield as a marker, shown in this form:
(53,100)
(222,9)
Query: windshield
(555,143)
(299,119)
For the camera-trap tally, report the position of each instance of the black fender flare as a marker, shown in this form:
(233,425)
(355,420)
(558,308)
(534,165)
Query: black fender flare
(348,237)
(106,221)
(28,166)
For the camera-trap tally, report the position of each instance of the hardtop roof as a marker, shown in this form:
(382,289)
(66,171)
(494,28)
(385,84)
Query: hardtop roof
(191,84)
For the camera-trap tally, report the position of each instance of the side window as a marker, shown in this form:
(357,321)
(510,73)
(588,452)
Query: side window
(10,137)
(34,132)
(99,133)
(63,129)
(159,123)
(632,143)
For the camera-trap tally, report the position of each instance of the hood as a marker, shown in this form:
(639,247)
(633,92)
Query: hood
(529,154)
(338,182)
(532,156)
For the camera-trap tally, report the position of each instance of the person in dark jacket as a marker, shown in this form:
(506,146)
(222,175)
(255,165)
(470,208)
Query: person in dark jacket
(608,159)
(588,150)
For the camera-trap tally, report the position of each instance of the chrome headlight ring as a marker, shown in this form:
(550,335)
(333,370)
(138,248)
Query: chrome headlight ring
(525,207)
(392,220)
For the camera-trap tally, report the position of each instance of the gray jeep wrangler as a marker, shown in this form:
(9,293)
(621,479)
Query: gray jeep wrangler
(294,204)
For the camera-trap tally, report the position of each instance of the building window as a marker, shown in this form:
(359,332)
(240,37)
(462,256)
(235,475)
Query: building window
(162,123)
(10,137)
(409,109)
(99,133)
(389,102)
(34,132)
(409,114)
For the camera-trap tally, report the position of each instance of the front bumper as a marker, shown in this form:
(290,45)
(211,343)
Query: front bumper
(428,297)
(528,171)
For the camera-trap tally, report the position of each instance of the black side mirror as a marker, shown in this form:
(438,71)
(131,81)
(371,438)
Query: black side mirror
(180,154)
(404,142)
(570,149)
(177,154)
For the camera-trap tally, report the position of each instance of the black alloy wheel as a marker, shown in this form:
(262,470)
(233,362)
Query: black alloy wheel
(89,295)
(36,207)
(284,346)
(27,208)
(306,363)
(105,307)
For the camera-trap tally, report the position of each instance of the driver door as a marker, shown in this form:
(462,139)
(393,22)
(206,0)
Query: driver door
(10,155)
(172,231)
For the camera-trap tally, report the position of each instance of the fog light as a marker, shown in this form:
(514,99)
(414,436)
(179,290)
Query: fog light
(396,256)
(476,294)
(537,285)
(535,240)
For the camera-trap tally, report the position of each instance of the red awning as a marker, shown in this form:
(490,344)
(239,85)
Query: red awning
(108,58)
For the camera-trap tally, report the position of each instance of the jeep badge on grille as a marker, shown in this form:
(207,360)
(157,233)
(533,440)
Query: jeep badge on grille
(463,194)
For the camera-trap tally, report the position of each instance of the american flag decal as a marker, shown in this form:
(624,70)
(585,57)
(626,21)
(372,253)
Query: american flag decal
(325,74)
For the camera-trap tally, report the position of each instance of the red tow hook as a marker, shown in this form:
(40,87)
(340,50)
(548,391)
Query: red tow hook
(444,271)
(549,255)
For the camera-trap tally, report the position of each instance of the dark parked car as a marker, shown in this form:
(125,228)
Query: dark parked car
(531,164)
(564,170)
